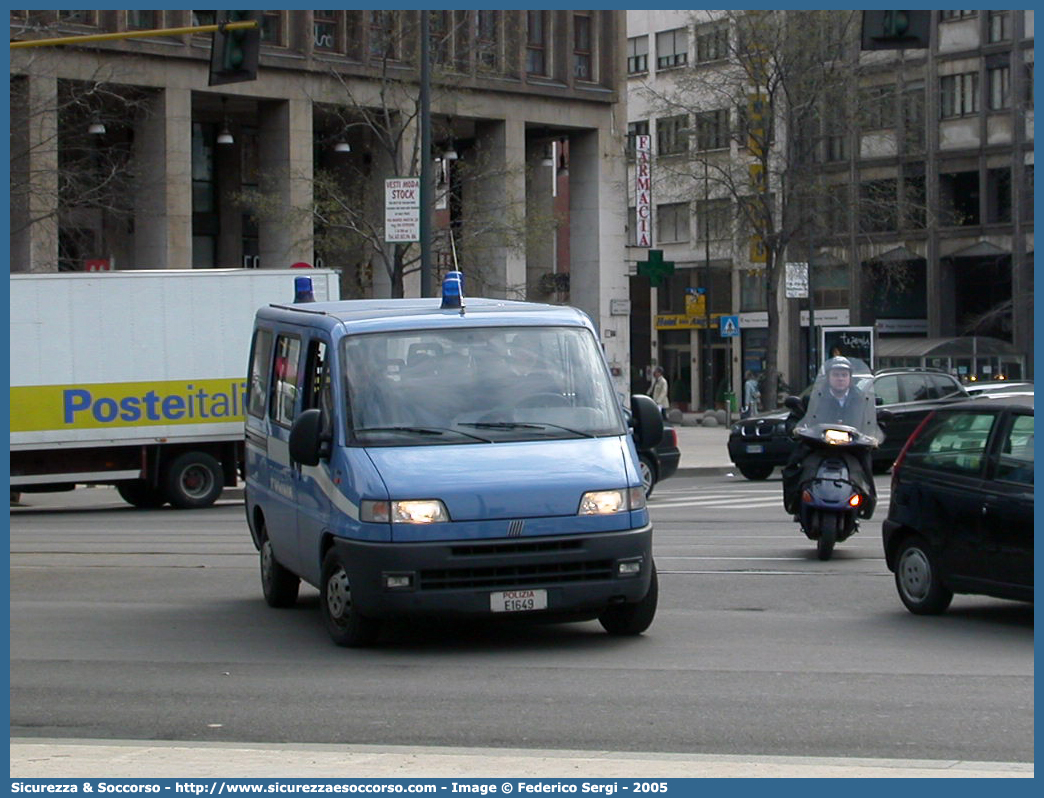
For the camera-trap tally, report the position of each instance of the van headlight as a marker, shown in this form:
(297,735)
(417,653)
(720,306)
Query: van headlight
(413,511)
(607,502)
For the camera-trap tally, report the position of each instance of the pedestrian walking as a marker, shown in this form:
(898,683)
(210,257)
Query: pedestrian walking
(658,391)
(751,396)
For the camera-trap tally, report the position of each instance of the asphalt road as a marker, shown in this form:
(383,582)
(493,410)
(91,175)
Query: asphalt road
(150,625)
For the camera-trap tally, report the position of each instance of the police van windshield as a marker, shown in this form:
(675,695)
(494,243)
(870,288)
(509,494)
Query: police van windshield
(485,384)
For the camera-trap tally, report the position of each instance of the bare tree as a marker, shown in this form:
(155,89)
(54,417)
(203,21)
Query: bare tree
(72,154)
(742,131)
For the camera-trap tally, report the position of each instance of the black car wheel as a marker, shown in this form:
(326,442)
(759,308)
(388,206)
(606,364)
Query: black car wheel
(625,620)
(918,579)
(341,617)
(280,585)
(648,471)
(755,471)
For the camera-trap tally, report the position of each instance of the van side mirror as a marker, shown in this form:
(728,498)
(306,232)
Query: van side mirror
(647,422)
(305,437)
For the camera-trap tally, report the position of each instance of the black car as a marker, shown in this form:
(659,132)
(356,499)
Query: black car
(960,518)
(759,444)
(660,462)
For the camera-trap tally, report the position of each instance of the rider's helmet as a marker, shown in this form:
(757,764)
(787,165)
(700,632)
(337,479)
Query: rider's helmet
(838,362)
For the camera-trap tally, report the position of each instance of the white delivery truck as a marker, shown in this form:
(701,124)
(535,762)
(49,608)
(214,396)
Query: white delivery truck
(137,378)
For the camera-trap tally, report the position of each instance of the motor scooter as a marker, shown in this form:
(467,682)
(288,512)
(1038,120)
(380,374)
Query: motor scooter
(835,486)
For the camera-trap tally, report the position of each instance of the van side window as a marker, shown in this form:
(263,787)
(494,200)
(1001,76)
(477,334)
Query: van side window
(318,390)
(1016,460)
(284,379)
(257,385)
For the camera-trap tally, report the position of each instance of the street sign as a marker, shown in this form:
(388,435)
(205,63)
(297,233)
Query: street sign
(730,327)
(797,280)
(402,209)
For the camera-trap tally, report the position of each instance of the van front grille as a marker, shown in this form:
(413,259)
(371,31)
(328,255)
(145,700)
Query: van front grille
(511,576)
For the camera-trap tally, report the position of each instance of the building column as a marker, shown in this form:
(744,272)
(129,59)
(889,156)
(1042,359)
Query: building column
(499,201)
(285,157)
(34,171)
(163,194)
(597,239)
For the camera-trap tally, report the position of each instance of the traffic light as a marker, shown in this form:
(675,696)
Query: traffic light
(233,53)
(895,30)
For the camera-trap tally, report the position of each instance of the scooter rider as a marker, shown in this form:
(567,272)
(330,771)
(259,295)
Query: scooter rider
(841,404)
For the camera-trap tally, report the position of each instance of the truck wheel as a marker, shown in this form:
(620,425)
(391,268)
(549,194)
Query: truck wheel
(192,480)
(279,584)
(343,622)
(624,620)
(139,493)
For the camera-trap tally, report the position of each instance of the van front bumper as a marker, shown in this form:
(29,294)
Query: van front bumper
(581,573)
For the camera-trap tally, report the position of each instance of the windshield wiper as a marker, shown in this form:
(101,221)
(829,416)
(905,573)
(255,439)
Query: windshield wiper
(423,431)
(522,425)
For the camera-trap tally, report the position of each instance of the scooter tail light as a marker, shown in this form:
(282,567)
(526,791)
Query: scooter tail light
(806,497)
(856,500)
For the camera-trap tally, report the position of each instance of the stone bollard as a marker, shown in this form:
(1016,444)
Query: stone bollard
(709,420)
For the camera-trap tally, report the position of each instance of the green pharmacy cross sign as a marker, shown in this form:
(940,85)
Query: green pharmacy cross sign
(656,268)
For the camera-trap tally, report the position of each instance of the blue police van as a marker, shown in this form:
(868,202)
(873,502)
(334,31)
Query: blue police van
(445,456)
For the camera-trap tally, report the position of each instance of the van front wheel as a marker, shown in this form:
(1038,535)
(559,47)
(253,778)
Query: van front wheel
(623,620)
(343,622)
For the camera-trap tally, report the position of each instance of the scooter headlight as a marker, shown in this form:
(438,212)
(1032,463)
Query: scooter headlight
(837,436)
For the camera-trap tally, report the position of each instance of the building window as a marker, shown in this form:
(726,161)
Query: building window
(959,95)
(712,42)
(78,17)
(915,197)
(672,138)
(830,286)
(672,48)
(1027,193)
(999,26)
(1000,88)
(582,62)
(384,35)
(753,291)
(536,42)
(998,196)
(948,15)
(634,129)
(672,222)
(637,55)
(959,199)
(440,37)
(714,220)
(915,131)
(712,130)
(272,28)
(1027,84)
(487,33)
(878,201)
(632,226)
(144,20)
(326,31)
(877,107)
